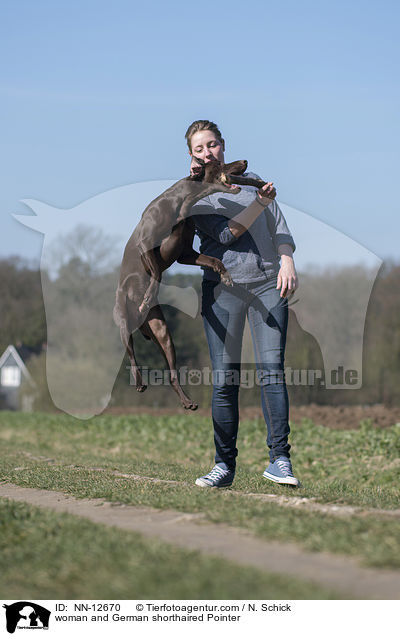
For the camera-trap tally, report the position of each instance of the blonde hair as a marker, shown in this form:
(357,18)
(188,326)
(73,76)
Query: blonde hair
(201,124)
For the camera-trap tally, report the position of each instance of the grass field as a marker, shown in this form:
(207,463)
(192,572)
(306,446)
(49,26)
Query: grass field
(74,558)
(360,467)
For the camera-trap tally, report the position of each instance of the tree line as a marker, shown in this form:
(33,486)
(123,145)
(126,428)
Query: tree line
(23,324)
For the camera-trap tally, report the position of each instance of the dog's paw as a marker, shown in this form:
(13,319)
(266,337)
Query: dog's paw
(144,306)
(225,276)
(226,279)
(190,405)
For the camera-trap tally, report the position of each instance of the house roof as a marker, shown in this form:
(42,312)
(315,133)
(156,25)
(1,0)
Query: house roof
(11,351)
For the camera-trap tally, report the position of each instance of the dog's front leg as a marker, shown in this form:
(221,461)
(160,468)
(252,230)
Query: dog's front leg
(194,258)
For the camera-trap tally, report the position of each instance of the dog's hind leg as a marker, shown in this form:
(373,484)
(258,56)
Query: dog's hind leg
(134,367)
(121,318)
(152,267)
(156,327)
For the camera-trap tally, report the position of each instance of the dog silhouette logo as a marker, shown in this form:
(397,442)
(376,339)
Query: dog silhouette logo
(80,246)
(26,615)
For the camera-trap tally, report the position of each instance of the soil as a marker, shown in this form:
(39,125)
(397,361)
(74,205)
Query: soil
(339,417)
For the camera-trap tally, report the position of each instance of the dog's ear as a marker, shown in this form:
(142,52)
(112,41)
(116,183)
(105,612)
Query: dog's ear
(236,167)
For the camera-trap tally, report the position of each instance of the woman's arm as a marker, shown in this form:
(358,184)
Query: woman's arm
(287,277)
(242,221)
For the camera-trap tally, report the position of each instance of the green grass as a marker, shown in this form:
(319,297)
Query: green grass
(40,557)
(359,467)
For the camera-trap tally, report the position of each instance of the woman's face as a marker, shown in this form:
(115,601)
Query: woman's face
(206,145)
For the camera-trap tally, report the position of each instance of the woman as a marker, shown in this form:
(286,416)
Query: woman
(249,234)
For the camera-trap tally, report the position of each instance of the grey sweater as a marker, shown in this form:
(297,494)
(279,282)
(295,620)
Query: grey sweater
(251,257)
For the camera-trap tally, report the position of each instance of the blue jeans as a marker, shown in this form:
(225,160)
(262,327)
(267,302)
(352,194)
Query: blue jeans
(224,311)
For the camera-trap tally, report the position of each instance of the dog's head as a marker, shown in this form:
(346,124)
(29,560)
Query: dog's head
(218,173)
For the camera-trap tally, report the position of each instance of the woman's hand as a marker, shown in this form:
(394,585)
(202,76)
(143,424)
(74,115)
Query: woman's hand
(267,193)
(287,276)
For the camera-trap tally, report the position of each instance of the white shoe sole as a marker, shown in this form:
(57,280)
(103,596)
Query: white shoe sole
(289,481)
(203,484)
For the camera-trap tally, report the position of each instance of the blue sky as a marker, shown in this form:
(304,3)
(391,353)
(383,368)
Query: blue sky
(97,95)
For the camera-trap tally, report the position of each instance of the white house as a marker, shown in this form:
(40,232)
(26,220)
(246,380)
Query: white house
(13,374)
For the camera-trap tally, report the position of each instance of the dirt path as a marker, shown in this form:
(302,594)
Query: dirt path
(192,532)
(303,503)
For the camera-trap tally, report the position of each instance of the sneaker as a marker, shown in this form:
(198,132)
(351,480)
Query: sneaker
(218,477)
(281,472)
